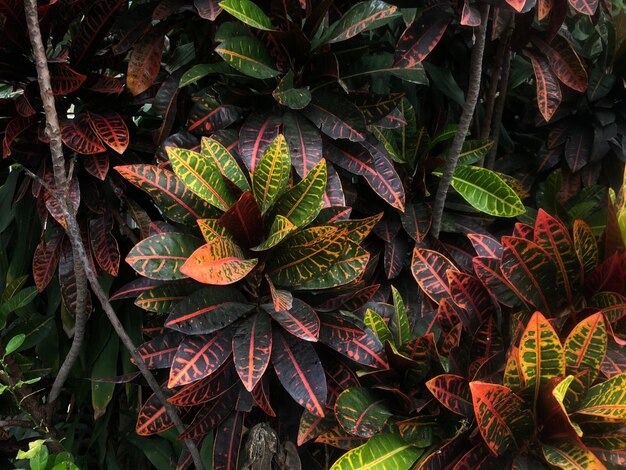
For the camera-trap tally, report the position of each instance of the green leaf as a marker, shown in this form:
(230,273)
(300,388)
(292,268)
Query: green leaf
(40,459)
(202,176)
(382,452)
(570,456)
(104,366)
(249,56)
(486,191)
(606,400)
(247,12)
(301,204)
(14,344)
(161,256)
(473,151)
(287,95)
(200,71)
(225,162)
(363,16)
(400,319)
(360,412)
(281,227)
(19,300)
(33,448)
(376,323)
(271,175)
(585,346)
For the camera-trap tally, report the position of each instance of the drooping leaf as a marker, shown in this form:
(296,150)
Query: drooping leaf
(153,417)
(210,415)
(300,371)
(363,16)
(453,392)
(531,271)
(207,310)
(578,147)
(161,256)
(271,175)
(500,416)
(429,270)
(548,90)
(64,80)
(45,261)
(360,412)
(78,135)
(252,346)
(144,62)
(566,64)
(248,55)
(416,220)
(207,389)
(420,38)
(159,352)
(198,356)
(219,262)
(486,191)
(208,9)
(248,13)
(381,452)
(104,244)
(541,353)
(312,426)
(168,191)
(97,165)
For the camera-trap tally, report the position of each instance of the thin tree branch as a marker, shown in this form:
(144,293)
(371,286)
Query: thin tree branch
(475,73)
(53,132)
(499,111)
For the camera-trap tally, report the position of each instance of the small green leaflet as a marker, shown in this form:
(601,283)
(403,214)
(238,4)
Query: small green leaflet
(248,12)
(287,95)
(486,191)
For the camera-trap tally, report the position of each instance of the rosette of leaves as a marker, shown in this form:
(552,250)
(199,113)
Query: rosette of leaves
(238,277)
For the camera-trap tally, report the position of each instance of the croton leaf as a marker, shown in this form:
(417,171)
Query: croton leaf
(362,17)
(153,417)
(256,135)
(252,346)
(248,13)
(219,262)
(212,229)
(207,389)
(210,415)
(416,220)
(97,165)
(225,162)
(382,451)
(607,400)
(531,271)
(453,392)
(161,256)
(271,175)
(306,255)
(228,442)
(488,270)
(144,62)
(486,191)
(541,353)
(208,115)
(429,269)
(208,9)
(548,90)
(360,412)
(500,416)
(305,143)
(300,320)
(566,64)
(249,56)
(337,437)
(288,95)
(198,356)
(104,244)
(78,135)
(281,227)
(586,7)
(585,346)
(207,310)
(420,38)
(485,245)
(571,455)
(244,220)
(312,426)
(45,261)
(400,319)
(336,117)
(202,176)
(469,294)
(64,80)
(112,129)
(300,371)
(375,322)
(159,352)
(168,191)
(302,203)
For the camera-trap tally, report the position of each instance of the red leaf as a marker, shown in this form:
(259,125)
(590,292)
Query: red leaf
(97,165)
(543,8)
(208,115)
(78,135)
(420,38)
(208,9)
(14,128)
(207,389)
(565,63)
(198,356)
(112,129)
(470,15)
(518,5)
(255,136)
(469,294)
(64,80)
(211,415)
(485,245)
(23,106)
(300,320)
(244,221)
(252,346)
(300,371)
(144,62)
(453,392)
(104,84)
(586,7)
(261,395)
(159,352)
(45,261)
(336,117)
(548,90)
(104,244)
(429,269)
(153,417)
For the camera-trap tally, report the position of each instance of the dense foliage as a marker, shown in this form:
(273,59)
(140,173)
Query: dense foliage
(260,187)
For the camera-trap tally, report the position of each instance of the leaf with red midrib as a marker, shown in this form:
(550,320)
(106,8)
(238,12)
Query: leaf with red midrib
(97,165)
(144,62)
(45,261)
(104,244)
(252,346)
(548,90)
(586,7)
(566,64)
(112,129)
(244,221)
(78,135)
(420,38)
(207,389)
(198,356)
(429,270)
(65,80)
(305,143)
(300,320)
(211,415)
(453,392)
(208,9)
(153,417)
(228,442)
(255,136)
(300,371)
(159,352)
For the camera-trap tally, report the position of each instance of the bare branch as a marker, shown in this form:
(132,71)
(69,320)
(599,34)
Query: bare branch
(53,132)
(475,73)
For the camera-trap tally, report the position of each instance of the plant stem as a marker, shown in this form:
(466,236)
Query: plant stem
(475,73)
(53,132)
